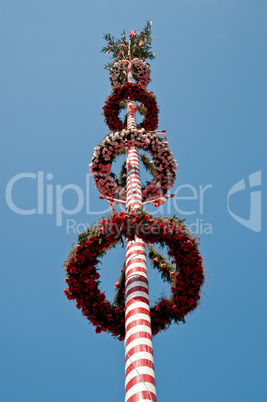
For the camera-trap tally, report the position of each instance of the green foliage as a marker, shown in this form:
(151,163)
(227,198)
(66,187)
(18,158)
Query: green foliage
(141,45)
(150,167)
(153,255)
(123,175)
(119,299)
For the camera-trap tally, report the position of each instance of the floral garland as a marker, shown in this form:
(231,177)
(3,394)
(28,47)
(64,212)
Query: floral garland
(118,73)
(134,92)
(185,273)
(163,169)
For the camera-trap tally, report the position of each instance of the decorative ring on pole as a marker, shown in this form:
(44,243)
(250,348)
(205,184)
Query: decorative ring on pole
(163,166)
(140,70)
(134,92)
(184,273)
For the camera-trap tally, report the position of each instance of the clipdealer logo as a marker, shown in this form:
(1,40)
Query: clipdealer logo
(51,196)
(254,221)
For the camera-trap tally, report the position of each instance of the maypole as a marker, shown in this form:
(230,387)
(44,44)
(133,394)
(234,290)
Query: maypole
(139,361)
(130,315)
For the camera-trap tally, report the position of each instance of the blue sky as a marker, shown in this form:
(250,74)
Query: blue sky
(209,77)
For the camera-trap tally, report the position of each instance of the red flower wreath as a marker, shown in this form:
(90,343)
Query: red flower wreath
(134,92)
(185,274)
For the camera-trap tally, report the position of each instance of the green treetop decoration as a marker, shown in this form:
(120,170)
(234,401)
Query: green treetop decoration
(141,44)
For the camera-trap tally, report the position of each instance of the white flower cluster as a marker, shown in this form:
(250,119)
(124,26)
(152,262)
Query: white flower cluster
(114,144)
(141,69)
(118,73)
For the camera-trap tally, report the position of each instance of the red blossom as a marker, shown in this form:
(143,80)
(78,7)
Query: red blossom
(134,92)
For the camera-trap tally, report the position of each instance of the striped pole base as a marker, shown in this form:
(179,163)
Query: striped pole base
(139,361)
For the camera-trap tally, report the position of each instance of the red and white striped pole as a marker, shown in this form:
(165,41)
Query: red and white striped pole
(139,361)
